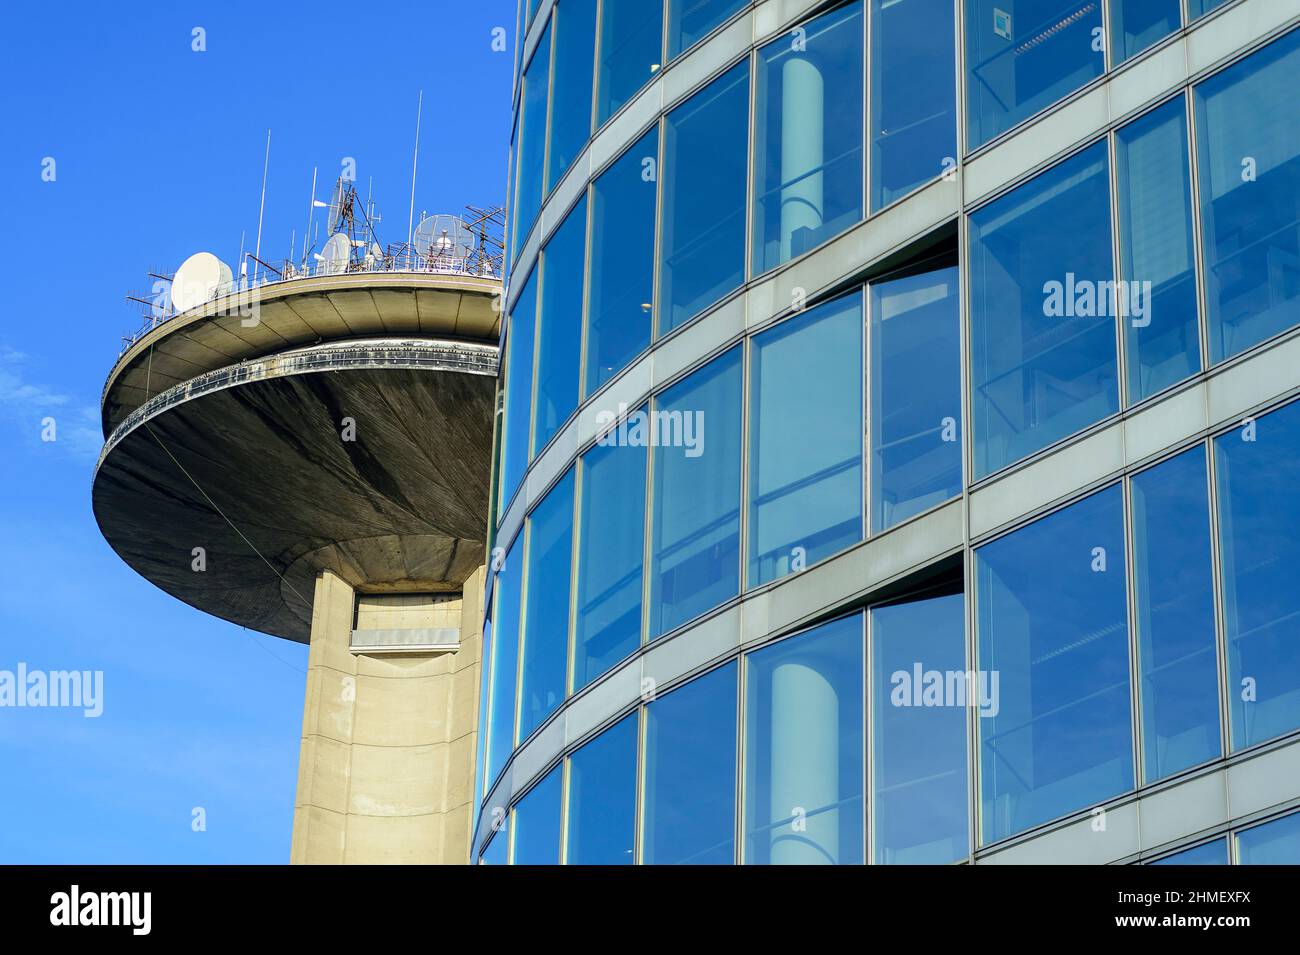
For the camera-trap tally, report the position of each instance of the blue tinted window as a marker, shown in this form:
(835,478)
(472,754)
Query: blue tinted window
(690,773)
(921,694)
(484,690)
(546,615)
(610,555)
(805,439)
(497,852)
(1052,627)
(692,20)
(537,822)
(1022,57)
(706,150)
(505,662)
(1177,659)
(1158,305)
(915,395)
(1137,24)
(1197,8)
(602,798)
(574,22)
(913,96)
(803,748)
(1258,471)
(631,44)
(1042,328)
(531,156)
(519,391)
(1211,853)
(622,261)
(808,136)
(1248,150)
(1273,843)
(695,536)
(559,335)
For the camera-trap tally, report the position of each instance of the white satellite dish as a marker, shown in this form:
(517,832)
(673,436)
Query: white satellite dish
(334,257)
(336,208)
(443,235)
(198,280)
(374,256)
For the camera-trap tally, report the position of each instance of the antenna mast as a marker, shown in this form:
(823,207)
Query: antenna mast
(410,221)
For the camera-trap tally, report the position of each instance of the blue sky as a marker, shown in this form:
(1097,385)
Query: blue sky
(158,153)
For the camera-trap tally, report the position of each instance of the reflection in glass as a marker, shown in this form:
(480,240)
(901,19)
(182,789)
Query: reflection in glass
(1258,472)
(1211,853)
(1052,626)
(1156,254)
(1175,615)
(602,798)
(1137,24)
(1273,843)
(631,43)
(1248,151)
(505,661)
(1042,323)
(546,617)
(706,144)
(921,695)
(695,534)
(622,261)
(805,439)
(531,156)
(608,622)
(690,773)
(915,394)
(537,822)
(497,852)
(559,334)
(803,748)
(808,136)
(691,20)
(1022,57)
(519,391)
(913,96)
(574,22)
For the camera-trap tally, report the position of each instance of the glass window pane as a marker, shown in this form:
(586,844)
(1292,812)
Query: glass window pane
(695,533)
(497,851)
(805,439)
(1258,471)
(913,96)
(1042,332)
(1024,55)
(574,22)
(1211,853)
(485,675)
(1273,843)
(532,144)
(691,20)
(546,615)
(602,798)
(1053,632)
(1248,151)
(803,749)
(610,555)
(537,822)
(559,335)
(1175,615)
(505,662)
(808,136)
(919,806)
(519,391)
(1158,305)
(622,261)
(915,394)
(706,150)
(1198,8)
(631,41)
(1137,24)
(690,773)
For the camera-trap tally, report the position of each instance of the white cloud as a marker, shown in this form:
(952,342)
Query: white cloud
(25,404)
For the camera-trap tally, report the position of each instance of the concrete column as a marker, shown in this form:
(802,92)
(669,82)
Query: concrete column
(802,148)
(386,768)
(805,766)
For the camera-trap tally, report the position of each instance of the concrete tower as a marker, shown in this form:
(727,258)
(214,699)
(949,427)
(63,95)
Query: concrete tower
(309,458)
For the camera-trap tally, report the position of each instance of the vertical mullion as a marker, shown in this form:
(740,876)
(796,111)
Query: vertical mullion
(1220,602)
(1117,303)
(742,729)
(571,634)
(1136,728)
(1198,239)
(868,739)
(638,825)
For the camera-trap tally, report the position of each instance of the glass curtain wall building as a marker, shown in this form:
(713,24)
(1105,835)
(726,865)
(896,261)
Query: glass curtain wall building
(899,436)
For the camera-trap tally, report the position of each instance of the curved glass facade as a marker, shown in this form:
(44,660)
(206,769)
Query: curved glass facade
(815,563)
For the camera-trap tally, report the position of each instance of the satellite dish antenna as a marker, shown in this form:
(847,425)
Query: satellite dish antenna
(336,208)
(374,256)
(198,280)
(333,258)
(443,236)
